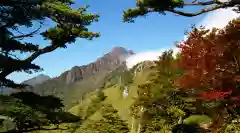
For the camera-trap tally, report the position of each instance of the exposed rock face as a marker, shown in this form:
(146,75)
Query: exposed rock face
(142,66)
(125,92)
(108,62)
(74,74)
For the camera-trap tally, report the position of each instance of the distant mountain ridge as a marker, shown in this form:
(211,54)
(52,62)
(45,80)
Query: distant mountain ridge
(108,62)
(79,80)
(36,80)
(32,82)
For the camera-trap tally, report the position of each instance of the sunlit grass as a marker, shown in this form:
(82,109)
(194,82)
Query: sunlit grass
(114,97)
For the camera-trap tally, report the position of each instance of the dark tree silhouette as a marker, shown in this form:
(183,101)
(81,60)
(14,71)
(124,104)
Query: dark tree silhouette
(163,6)
(70,24)
(30,112)
(185,128)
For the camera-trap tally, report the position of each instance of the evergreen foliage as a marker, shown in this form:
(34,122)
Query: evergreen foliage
(69,25)
(145,7)
(110,122)
(95,104)
(163,104)
(198,89)
(30,112)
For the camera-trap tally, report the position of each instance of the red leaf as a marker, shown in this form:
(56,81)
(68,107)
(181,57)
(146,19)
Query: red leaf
(214,95)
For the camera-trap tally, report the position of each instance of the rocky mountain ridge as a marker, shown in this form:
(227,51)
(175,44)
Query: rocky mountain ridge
(36,80)
(108,62)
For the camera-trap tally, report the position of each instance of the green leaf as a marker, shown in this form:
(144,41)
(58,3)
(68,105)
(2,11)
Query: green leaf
(197,119)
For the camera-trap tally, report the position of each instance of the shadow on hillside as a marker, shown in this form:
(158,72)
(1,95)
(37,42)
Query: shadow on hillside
(186,128)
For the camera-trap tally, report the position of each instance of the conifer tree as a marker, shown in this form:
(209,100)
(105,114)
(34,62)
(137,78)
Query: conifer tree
(95,104)
(110,122)
(30,112)
(145,7)
(19,15)
(164,105)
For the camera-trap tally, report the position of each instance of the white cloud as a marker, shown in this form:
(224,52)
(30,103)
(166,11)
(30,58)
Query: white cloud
(146,56)
(143,56)
(218,19)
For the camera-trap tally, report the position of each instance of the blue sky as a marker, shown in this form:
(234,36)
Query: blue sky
(147,34)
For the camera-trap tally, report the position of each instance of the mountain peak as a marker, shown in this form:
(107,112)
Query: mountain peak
(37,80)
(109,61)
(130,52)
(118,51)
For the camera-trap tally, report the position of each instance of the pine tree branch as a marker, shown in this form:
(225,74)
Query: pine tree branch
(132,13)
(36,54)
(10,55)
(205,10)
(47,49)
(18,2)
(27,35)
(10,83)
(71,24)
(196,2)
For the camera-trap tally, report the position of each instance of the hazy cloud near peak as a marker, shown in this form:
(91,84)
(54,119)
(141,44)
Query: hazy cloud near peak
(147,56)
(143,56)
(217,19)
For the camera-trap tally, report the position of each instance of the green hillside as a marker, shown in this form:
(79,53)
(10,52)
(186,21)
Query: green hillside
(106,90)
(71,94)
(114,96)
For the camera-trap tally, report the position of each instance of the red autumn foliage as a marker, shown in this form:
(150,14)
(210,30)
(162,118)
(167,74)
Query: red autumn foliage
(211,59)
(215,95)
(235,98)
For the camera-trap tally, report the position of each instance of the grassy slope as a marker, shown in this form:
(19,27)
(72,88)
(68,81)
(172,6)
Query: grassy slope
(71,94)
(114,97)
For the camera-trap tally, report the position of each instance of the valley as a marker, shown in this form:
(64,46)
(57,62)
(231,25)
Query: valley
(71,85)
(112,89)
(61,73)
